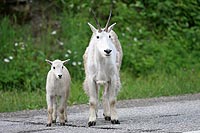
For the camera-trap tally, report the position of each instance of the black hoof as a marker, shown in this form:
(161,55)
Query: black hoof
(107,118)
(48,125)
(66,121)
(54,121)
(115,122)
(91,123)
(62,124)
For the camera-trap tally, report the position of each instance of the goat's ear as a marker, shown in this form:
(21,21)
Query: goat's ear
(111,27)
(66,61)
(92,28)
(48,61)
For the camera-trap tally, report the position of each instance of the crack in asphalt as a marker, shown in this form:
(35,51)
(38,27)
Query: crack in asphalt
(148,130)
(108,128)
(11,121)
(32,131)
(34,123)
(170,115)
(25,123)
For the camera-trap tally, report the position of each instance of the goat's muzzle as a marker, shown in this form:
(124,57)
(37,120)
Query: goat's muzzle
(59,76)
(107,51)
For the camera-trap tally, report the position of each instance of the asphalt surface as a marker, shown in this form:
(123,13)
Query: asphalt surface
(156,115)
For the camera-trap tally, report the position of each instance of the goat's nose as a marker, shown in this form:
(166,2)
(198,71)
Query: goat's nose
(107,51)
(60,76)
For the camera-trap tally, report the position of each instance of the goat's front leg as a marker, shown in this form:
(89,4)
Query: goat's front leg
(62,110)
(112,101)
(93,103)
(50,100)
(106,105)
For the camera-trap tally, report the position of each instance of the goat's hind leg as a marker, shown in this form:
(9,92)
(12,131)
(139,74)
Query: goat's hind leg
(65,114)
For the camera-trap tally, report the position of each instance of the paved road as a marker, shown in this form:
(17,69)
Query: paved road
(156,115)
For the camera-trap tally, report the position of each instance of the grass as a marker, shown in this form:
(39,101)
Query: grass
(159,84)
(153,85)
(19,100)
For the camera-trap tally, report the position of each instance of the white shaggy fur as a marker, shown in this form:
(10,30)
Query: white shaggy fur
(102,69)
(57,85)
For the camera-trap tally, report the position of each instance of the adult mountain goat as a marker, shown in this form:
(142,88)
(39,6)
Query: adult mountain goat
(102,61)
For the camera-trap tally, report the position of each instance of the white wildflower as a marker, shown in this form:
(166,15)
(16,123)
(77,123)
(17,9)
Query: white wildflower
(69,51)
(53,32)
(10,57)
(79,63)
(61,43)
(66,55)
(71,5)
(135,39)
(123,34)
(16,44)
(74,63)
(128,29)
(6,60)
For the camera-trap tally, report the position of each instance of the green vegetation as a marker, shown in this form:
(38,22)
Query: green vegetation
(159,39)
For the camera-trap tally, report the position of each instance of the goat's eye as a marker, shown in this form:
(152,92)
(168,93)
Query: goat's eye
(109,36)
(54,68)
(62,67)
(97,37)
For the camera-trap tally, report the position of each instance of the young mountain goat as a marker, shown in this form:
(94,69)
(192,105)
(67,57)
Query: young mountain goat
(102,61)
(57,85)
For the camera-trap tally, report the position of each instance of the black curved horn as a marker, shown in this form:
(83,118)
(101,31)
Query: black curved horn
(98,25)
(106,27)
